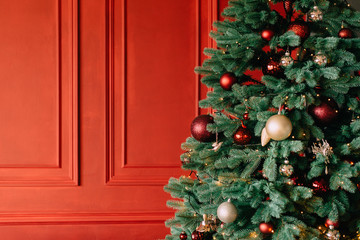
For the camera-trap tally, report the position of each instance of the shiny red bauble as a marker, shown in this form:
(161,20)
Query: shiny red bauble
(267,34)
(326,113)
(266,228)
(246,116)
(183,236)
(328,223)
(320,185)
(345,33)
(196,235)
(227,80)
(273,67)
(198,128)
(242,136)
(300,28)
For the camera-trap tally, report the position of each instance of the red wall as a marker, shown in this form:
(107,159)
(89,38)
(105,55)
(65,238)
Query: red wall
(96,98)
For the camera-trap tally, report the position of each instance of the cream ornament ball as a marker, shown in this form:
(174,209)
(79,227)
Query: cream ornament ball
(278,127)
(227,212)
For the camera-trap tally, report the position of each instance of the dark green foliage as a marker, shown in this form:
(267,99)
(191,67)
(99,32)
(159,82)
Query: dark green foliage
(249,174)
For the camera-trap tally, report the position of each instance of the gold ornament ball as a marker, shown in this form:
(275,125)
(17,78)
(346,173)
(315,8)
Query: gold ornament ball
(227,212)
(278,127)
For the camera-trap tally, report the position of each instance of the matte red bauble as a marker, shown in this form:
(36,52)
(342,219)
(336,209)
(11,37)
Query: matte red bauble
(267,34)
(242,136)
(346,33)
(300,28)
(196,235)
(273,67)
(320,185)
(328,223)
(227,80)
(325,113)
(266,228)
(198,128)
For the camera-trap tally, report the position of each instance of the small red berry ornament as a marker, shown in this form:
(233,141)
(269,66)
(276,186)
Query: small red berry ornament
(272,66)
(300,28)
(183,235)
(198,128)
(345,33)
(320,185)
(242,135)
(267,34)
(329,223)
(266,228)
(227,80)
(325,113)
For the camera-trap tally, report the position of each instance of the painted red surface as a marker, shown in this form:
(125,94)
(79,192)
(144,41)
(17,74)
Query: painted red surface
(95,99)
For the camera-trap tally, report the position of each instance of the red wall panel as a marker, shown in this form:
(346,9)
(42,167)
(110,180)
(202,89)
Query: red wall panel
(94,167)
(38,93)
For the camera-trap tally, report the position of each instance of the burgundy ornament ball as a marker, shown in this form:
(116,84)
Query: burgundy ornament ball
(227,80)
(242,136)
(196,235)
(266,228)
(267,34)
(325,113)
(328,223)
(198,128)
(320,185)
(183,236)
(272,66)
(300,28)
(345,33)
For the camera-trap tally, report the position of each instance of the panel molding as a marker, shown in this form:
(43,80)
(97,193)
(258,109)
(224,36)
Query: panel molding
(132,174)
(73,218)
(65,171)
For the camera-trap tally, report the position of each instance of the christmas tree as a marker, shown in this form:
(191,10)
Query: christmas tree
(277,157)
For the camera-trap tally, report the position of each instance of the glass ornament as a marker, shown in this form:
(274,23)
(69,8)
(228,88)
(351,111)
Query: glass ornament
(286,60)
(286,169)
(320,59)
(315,14)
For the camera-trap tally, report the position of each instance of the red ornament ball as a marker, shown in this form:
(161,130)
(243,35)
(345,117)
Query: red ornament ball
(328,223)
(325,113)
(273,67)
(246,116)
(198,128)
(242,136)
(196,235)
(346,33)
(266,228)
(320,185)
(300,28)
(227,80)
(267,34)
(357,73)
